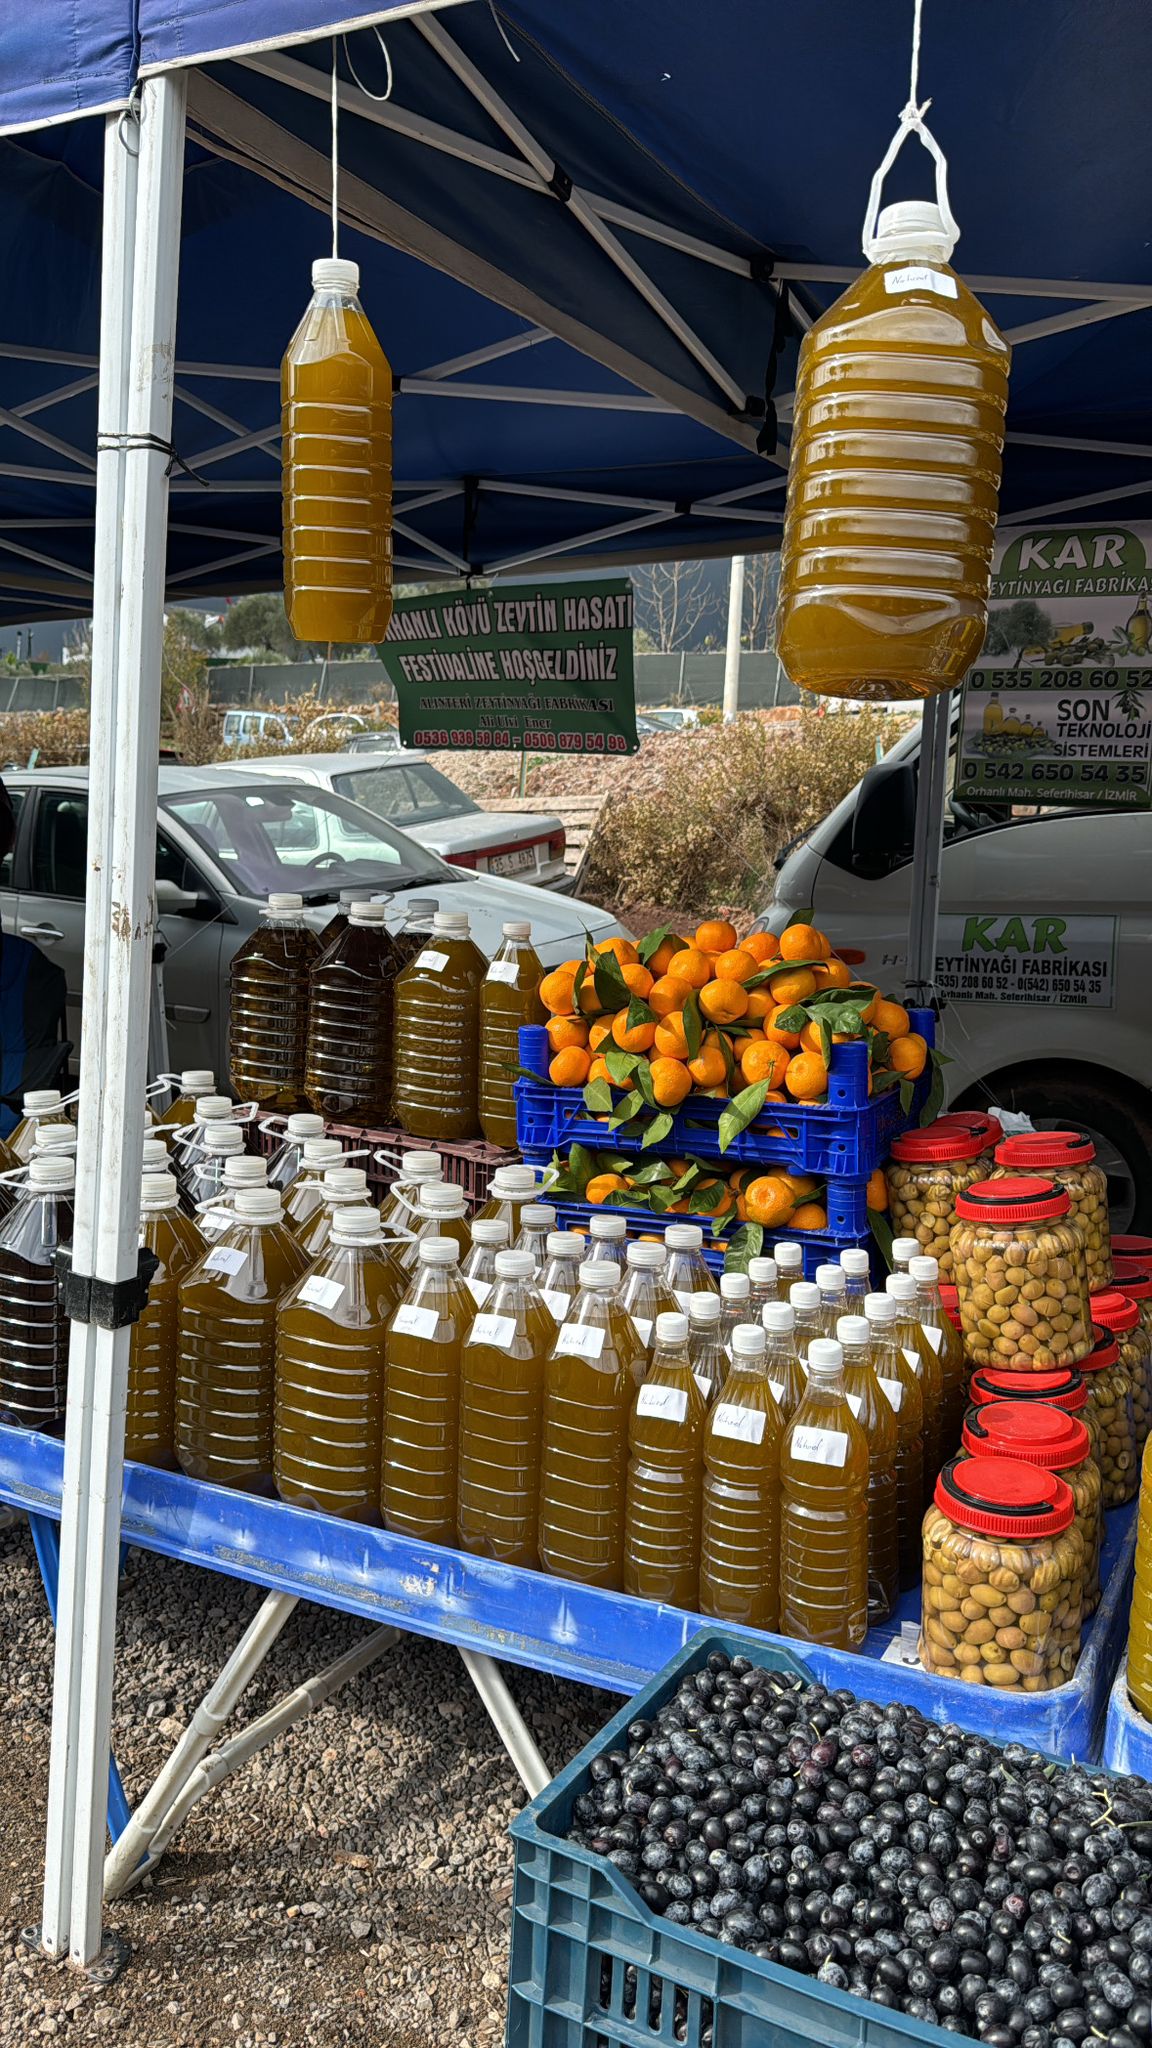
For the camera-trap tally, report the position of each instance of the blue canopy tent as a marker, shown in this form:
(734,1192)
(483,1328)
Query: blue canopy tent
(590,239)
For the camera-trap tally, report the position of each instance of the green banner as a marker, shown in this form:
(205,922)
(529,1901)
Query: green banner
(546,667)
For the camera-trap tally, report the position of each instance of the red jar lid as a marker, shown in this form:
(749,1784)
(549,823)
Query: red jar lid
(1031,1430)
(1133,1247)
(1001,1497)
(1105,1351)
(1133,1278)
(1063,1387)
(1012,1201)
(937,1142)
(1041,1149)
(987,1128)
(1113,1310)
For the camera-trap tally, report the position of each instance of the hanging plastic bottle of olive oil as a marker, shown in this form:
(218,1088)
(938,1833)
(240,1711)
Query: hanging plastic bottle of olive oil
(270,990)
(502,1374)
(665,1474)
(435,1051)
(824,1474)
(740,1529)
(509,998)
(348,1071)
(422,1396)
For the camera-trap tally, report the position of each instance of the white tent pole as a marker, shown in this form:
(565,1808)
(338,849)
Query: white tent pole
(732,649)
(119,918)
(927,844)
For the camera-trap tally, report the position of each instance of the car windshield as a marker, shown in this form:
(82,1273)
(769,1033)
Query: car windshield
(280,836)
(407,792)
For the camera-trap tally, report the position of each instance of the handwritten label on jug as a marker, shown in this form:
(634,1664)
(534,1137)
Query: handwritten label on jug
(894,1391)
(670,1403)
(820,1446)
(433,961)
(556,1299)
(226,1258)
(916,277)
(325,1293)
(745,1425)
(498,1331)
(412,1321)
(503,970)
(581,1340)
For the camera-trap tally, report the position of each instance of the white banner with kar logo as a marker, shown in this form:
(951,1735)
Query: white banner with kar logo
(1027,959)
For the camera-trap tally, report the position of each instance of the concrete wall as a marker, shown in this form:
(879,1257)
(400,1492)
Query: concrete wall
(660,679)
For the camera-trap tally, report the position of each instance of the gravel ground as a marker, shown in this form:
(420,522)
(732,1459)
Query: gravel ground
(351,1885)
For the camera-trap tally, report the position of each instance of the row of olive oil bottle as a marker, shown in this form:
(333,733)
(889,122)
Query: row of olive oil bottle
(370,1027)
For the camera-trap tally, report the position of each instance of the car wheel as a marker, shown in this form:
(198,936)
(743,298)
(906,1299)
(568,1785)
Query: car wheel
(1118,1119)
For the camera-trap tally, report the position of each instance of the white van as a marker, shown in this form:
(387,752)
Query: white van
(1044,953)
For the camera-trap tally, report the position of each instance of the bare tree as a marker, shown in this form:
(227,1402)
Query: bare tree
(761,587)
(672,602)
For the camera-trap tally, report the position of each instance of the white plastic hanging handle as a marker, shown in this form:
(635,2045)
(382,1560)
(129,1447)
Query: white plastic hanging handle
(911,122)
(277,1121)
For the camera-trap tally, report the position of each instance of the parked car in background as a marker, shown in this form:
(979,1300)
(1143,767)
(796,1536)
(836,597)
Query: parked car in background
(409,792)
(257,728)
(378,739)
(226,837)
(673,717)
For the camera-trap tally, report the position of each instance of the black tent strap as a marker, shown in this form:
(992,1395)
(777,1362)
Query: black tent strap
(112,1304)
(106,443)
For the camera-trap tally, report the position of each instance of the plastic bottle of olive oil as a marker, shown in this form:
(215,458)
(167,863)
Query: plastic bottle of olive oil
(584,1459)
(665,1474)
(904,1393)
(150,1401)
(509,998)
(422,1397)
(740,1529)
(502,1373)
(824,1475)
(873,1411)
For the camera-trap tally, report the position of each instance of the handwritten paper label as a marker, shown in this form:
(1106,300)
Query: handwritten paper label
(820,1446)
(498,1331)
(581,1340)
(435,962)
(744,1425)
(324,1293)
(503,970)
(226,1258)
(916,277)
(670,1403)
(413,1321)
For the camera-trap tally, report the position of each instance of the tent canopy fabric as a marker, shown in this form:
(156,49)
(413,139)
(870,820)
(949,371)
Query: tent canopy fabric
(590,240)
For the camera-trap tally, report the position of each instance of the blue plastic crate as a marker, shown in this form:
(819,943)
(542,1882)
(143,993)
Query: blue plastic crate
(1127,1735)
(850,1134)
(820,1247)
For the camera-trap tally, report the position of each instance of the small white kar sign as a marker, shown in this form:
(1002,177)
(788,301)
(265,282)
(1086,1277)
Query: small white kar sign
(1009,958)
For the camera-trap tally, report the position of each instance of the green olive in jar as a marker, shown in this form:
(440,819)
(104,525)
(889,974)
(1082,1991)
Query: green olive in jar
(1068,1159)
(1003,1583)
(1039,1434)
(1020,1276)
(926,1171)
(1109,1416)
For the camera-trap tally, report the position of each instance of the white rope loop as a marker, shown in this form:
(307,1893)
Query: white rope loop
(911,122)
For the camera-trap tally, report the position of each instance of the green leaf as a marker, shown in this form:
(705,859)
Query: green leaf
(883,1083)
(582,1164)
(731,1070)
(825,1037)
(613,1162)
(643,1081)
(621,1065)
(702,1201)
(653,942)
(661,1200)
(631,1132)
(882,1232)
(612,991)
(934,1100)
(638,1013)
(578,980)
(658,1129)
(741,1111)
(693,1026)
(792,1019)
(800,917)
(688,1178)
(529,1074)
(745,1244)
(623,1198)
(656,1170)
(630,1107)
(772,968)
(907,1094)
(597,1097)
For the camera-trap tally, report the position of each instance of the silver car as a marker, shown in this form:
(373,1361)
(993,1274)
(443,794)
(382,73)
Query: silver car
(225,838)
(409,792)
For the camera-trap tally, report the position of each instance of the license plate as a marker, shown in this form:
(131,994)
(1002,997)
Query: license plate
(512,863)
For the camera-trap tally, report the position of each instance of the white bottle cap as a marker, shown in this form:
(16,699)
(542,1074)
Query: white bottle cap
(512,1180)
(345,1184)
(304,1124)
(925,1271)
(220,1138)
(519,928)
(855,1261)
(56,1138)
(490,1230)
(610,1228)
(853,1330)
(911,227)
(360,1225)
(831,1279)
(37,1100)
(420,1166)
(419,906)
(335,274)
(537,1216)
(51,1173)
(599,1275)
(560,1244)
(683,1237)
(735,1286)
(242,1171)
(453,923)
(762,1272)
(368,913)
(824,1357)
(259,1205)
(154,1157)
(442,1198)
(789,1257)
(779,1317)
(159,1191)
(901,1286)
(748,1340)
(645,1258)
(283,903)
(804,1296)
(437,1251)
(880,1308)
(671,1328)
(704,1307)
(515,1265)
(197,1080)
(322,1151)
(905,1248)
(213,1109)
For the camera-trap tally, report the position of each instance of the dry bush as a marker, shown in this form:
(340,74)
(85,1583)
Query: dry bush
(60,738)
(304,710)
(719,804)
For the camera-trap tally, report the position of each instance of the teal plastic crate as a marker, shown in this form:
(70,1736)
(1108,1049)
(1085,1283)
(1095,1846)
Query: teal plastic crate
(592,1967)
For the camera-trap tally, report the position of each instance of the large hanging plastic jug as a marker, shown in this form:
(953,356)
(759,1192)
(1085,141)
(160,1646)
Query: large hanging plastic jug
(226,1358)
(217,1214)
(330,1334)
(416,930)
(41,1106)
(193,1083)
(189,1147)
(349,1067)
(336,428)
(288,1158)
(268,1028)
(150,1403)
(435,1050)
(302,1195)
(344,1187)
(416,1170)
(894,481)
(509,998)
(221,1142)
(34,1328)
